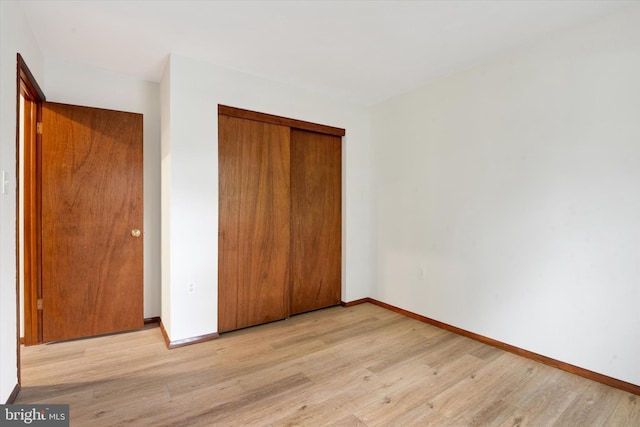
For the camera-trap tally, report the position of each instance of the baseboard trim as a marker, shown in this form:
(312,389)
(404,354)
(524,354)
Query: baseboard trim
(186,341)
(14,395)
(355,302)
(152,320)
(576,370)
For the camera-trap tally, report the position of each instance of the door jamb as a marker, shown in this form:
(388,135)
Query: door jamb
(29,180)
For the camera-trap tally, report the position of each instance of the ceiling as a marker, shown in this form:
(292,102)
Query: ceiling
(363,51)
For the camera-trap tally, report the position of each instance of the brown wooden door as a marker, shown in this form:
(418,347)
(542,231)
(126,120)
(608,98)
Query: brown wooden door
(316,223)
(91,180)
(254,222)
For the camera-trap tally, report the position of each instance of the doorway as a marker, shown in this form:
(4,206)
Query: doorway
(80,217)
(29,113)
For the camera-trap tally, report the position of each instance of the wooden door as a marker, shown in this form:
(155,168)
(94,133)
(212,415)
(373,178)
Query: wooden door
(91,180)
(254,222)
(316,225)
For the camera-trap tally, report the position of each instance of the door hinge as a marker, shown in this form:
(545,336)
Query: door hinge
(39,303)
(39,127)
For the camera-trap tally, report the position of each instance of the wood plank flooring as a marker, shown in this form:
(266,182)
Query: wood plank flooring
(357,366)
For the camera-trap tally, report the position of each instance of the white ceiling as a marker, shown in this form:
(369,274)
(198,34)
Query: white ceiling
(365,51)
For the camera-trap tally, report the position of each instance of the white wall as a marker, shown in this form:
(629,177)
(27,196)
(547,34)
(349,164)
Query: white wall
(73,83)
(15,36)
(515,186)
(191,214)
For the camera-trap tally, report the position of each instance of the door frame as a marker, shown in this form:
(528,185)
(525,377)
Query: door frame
(27,181)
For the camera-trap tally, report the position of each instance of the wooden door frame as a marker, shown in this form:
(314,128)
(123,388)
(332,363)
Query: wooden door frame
(279,120)
(29,181)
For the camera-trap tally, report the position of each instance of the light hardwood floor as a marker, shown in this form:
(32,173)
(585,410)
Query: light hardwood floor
(357,366)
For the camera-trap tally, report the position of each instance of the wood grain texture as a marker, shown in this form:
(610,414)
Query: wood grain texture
(254,222)
(278,120)
(316,220)
(360,366)
(594,376)
(91,200)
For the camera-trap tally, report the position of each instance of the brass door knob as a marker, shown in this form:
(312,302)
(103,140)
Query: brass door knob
(135,233)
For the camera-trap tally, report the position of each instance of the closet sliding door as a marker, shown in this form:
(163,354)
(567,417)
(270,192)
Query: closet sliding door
(316,220)
(254,222)
(280,221)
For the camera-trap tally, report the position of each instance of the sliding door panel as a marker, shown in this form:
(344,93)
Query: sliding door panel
(316,220)
(254,222)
